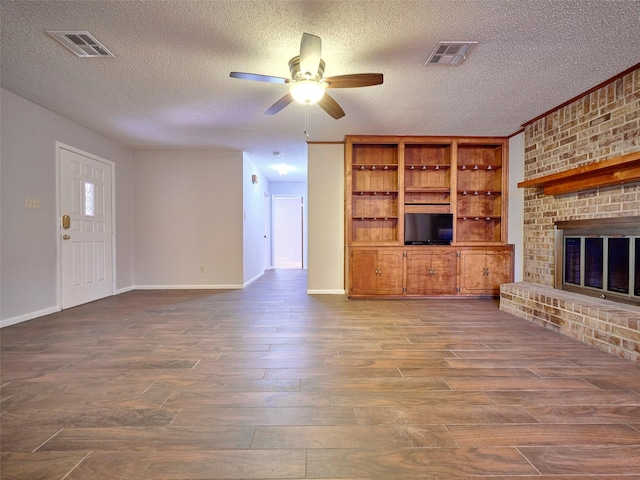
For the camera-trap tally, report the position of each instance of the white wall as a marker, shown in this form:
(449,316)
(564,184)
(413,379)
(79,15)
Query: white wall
(188,214)
(253,222)
(326,218)
(515,231)
(28,251)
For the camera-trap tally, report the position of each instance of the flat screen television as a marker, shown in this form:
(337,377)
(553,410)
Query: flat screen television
(428,228)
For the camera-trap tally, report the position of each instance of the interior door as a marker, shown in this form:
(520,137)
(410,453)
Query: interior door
(85,228)
(266,255)
(287,235)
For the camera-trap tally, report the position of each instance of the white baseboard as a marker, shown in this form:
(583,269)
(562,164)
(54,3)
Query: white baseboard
(325,292)
(124,290)
(28,316)
(187,287)
(257,277)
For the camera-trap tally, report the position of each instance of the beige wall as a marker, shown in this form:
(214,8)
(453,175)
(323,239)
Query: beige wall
(28,246)
(598,126)
(188,211)
(516,201)
(325,190)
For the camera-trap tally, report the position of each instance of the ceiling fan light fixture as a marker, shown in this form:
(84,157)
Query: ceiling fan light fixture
(283,168)
(307,84)
(307,92)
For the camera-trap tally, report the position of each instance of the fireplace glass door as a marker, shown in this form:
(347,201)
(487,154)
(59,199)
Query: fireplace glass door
(602,265)
(618,265)
(593,262)
(636,283)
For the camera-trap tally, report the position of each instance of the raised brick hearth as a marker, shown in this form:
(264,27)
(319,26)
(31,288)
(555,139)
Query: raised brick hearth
(609,326)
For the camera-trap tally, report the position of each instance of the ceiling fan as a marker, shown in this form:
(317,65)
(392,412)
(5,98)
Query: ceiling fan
(307,85)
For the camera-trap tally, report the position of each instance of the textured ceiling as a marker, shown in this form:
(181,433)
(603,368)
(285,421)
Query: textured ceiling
(168,86)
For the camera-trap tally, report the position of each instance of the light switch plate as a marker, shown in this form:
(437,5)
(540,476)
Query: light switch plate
(31,203)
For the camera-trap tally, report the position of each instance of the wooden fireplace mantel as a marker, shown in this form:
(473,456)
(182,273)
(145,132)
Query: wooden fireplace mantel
(614,171)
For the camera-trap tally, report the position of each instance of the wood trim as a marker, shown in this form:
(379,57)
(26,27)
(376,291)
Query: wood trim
(516,133)
(614,171)
(577,97)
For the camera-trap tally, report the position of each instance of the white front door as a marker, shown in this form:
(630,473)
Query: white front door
(85,228)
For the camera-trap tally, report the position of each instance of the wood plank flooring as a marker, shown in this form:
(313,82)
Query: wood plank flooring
(272,383)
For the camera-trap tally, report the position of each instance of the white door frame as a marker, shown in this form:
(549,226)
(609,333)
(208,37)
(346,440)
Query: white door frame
(60,146)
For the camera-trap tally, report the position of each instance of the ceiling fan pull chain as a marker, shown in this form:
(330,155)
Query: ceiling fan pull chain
(306,120)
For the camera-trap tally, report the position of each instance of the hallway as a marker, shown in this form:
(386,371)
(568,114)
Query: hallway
(269,382)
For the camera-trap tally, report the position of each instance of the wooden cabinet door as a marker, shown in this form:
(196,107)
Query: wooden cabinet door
(482,271)
(390,272)
(431,273)
(363,272)
(376,271)
(472,272)
(499,268)
(444,274)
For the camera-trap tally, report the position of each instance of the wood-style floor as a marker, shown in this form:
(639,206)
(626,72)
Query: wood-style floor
(269,382)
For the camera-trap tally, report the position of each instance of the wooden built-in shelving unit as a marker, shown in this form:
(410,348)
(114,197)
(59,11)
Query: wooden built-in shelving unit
(390,176)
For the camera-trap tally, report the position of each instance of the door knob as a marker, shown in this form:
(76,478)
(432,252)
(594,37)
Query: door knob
(66,237)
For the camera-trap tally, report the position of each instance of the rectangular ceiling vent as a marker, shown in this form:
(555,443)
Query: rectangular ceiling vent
(83,44)
(449,53)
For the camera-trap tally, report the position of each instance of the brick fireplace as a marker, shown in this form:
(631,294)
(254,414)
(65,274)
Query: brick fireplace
(599,127)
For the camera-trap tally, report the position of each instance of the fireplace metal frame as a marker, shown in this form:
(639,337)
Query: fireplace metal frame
(596,227)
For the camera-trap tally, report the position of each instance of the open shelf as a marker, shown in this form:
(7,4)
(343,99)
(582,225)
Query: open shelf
(435,168)
(374,167)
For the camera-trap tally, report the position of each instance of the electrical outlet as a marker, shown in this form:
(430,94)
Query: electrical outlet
(31,203)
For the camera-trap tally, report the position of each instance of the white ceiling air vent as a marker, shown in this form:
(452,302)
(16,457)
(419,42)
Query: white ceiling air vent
(449,53)
(83,44)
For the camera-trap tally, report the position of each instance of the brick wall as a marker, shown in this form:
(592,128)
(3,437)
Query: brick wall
(598,126)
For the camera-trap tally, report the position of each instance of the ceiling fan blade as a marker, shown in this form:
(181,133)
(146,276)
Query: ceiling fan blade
(354,80)
(330,106)
(280,104)
(310,51)
(258,78)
